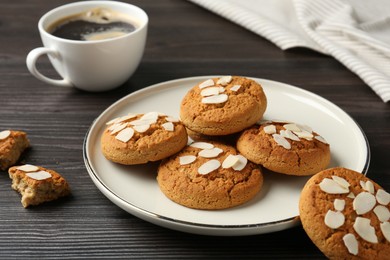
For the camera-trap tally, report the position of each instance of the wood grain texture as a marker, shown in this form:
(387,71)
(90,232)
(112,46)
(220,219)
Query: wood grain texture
(184,40)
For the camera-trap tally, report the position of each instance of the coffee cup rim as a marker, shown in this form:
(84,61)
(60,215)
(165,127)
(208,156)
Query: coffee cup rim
(91,4)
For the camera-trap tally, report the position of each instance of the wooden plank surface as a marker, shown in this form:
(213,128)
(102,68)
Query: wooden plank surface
(184,40)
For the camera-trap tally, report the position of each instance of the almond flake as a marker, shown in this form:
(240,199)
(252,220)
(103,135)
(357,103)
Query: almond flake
(124,118)
(382,197)
(242,161)
(202,145)
(153,116)
(40,175)
(217,99)
(189,141)
(224,80)
(187,159)
(207,83)
(113,121)
(370,187)
(28,168)
(4,134)
(339,204)
(112,127)
(304,134)
(332,187)
(235,88)
(141,128)
(334,219)
(351,195)
(341,181)
(270,129)
(288,134)
(305,128)
(292,127)
(364,202)
(117,127)
(121,119)
(230,161)
(142,122)
(364,229)
(385,228)
(209,166)
(172,119)
(169,126)
(212,91)
(280,140)
(210,153)
(321,139)
(382,213)
(125,135)
(351,243)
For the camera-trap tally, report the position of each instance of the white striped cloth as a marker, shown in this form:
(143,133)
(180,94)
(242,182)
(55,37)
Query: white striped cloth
(355,32)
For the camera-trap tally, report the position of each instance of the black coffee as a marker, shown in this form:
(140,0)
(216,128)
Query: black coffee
(95,24)
(85,30)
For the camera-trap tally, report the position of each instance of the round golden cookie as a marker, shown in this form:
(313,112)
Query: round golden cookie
(286,148)
(223,106)
(346,218)
(142,138)
(222,185)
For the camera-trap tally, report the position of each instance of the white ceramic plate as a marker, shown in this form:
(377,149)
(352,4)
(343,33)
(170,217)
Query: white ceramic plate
(135,189)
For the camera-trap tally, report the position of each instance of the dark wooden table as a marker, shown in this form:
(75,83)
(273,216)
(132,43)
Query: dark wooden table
(184,40)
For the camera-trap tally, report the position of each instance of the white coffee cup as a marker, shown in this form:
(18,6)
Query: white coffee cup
(97,65)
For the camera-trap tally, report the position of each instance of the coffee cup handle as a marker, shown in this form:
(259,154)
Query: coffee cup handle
(31,60)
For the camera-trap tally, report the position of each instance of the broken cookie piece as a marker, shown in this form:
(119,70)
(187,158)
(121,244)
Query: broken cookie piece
(12,145)
(37,184)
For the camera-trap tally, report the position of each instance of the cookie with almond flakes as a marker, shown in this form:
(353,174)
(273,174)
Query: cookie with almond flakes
(141,138)
(223,106)
(37,184)
(286,148)
(346,215)
(12,145)
(209,175)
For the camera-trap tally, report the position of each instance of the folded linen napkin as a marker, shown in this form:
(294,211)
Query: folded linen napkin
(355,32)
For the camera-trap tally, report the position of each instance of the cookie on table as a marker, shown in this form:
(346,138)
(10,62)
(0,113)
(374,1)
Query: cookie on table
(209,175)
(12,145)
(286,148)
(141,138)
(37,184)
(222,106)
(346,215)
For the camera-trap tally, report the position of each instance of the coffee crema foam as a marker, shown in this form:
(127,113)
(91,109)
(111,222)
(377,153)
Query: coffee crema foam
(95,24)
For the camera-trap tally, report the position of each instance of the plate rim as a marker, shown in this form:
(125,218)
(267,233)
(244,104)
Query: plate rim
(193,227)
